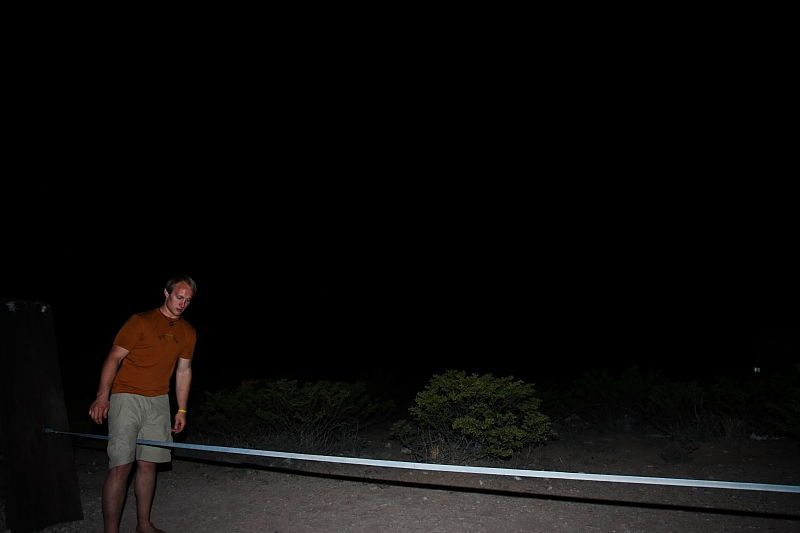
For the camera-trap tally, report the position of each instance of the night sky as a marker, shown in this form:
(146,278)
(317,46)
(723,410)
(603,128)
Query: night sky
(351,216)
(397,282)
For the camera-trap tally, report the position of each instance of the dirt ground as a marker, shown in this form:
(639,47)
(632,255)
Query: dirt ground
(201,492)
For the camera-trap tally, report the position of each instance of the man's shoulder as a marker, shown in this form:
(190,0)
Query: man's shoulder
(144,316)
(188,326)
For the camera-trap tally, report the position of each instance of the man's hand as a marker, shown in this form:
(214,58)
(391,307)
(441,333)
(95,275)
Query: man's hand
(180,422)
(98,411)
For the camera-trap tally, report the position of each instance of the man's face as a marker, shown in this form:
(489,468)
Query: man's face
(180,298)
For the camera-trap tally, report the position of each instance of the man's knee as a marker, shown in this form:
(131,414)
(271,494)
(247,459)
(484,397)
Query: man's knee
(120,472)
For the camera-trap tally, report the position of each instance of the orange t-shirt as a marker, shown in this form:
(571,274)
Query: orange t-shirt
(155,343)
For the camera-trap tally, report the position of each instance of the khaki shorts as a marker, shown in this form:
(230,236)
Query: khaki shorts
(132,417)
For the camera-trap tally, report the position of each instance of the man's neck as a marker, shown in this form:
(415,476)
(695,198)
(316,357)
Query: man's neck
(165,311)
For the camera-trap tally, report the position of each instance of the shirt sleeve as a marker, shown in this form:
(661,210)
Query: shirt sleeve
(129,333)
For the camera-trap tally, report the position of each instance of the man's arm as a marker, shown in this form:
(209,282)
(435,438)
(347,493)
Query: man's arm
(183,382)
(98,411)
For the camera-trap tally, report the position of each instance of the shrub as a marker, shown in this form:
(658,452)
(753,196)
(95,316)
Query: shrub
(321,416)
(607,398)
(726,407)
(776,404)
(686,410)
(460,417)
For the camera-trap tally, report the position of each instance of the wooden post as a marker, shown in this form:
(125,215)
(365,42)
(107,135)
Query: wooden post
(38,469)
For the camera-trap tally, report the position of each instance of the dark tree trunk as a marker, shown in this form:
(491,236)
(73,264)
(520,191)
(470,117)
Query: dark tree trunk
(39,476)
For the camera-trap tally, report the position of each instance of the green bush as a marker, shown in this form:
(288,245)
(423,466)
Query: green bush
(686,410)
(776,404)
(458,417)
(318,417)
(608,398)
(727,407)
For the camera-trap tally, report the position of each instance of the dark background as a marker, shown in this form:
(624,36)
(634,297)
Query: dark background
(391,283)
(496,202)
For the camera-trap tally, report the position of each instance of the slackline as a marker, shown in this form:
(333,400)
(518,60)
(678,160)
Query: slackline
(577,476)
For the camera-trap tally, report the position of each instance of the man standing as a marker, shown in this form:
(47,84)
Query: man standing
(133,395)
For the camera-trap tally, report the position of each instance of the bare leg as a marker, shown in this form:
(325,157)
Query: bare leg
(114,490)
(144,486)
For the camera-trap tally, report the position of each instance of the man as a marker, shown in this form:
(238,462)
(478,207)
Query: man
(133,395)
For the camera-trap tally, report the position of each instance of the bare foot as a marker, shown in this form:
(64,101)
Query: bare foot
(149,529)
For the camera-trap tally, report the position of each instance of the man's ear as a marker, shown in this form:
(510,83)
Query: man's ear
(166,293)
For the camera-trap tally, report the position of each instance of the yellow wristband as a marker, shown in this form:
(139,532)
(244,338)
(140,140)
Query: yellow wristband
(181,410)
